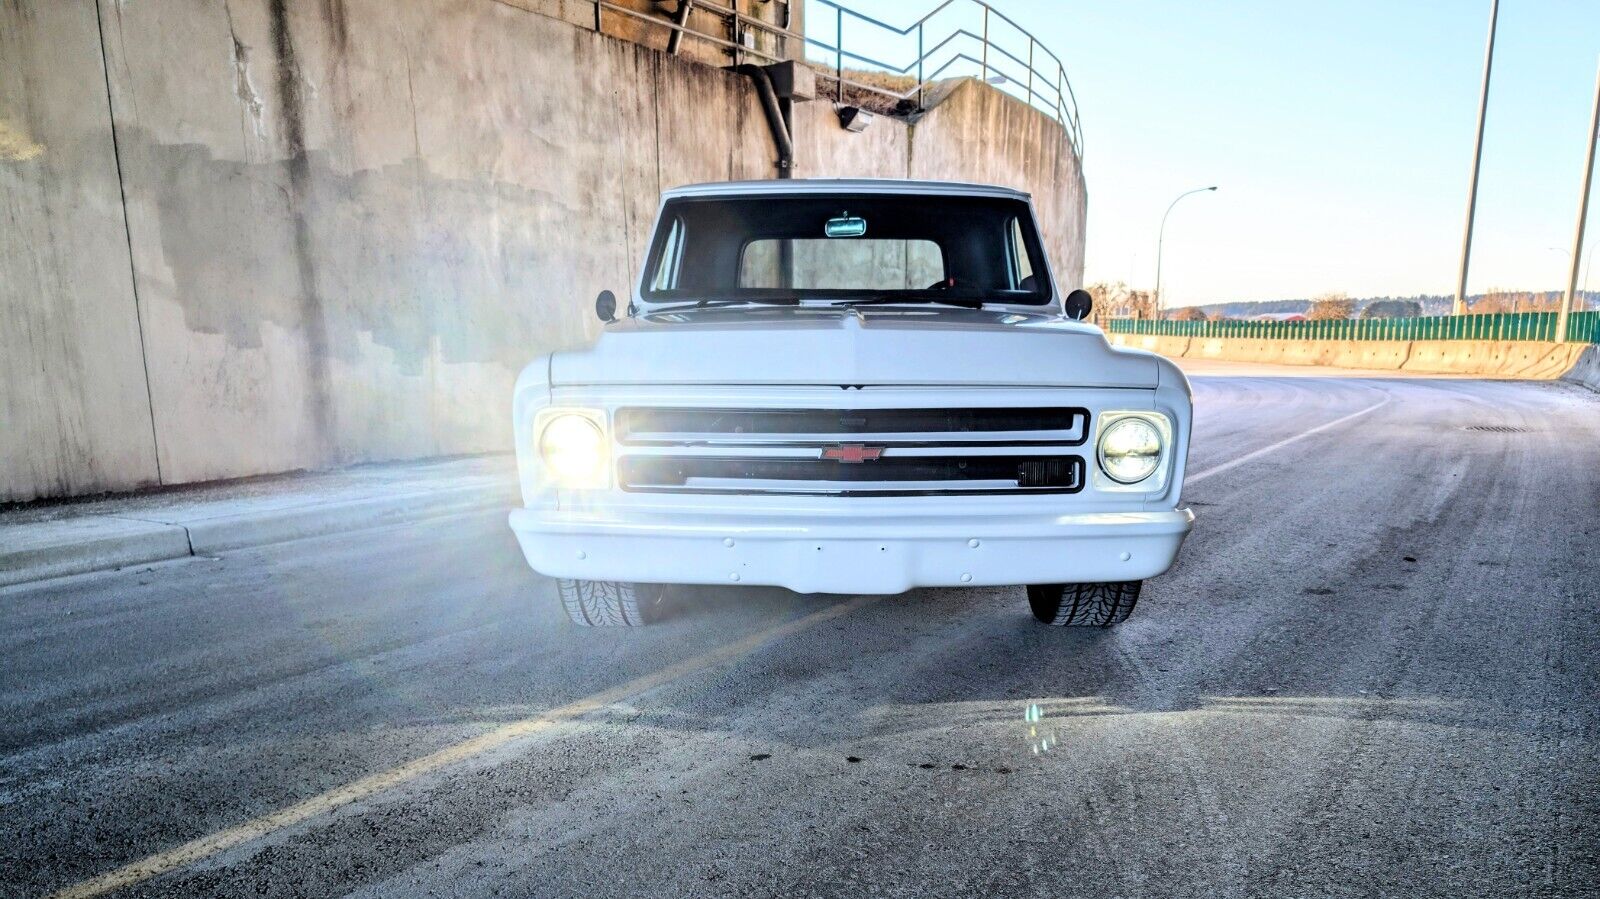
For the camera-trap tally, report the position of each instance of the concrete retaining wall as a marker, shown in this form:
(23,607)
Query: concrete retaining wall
(268,234)
(74,414)
(1500,359)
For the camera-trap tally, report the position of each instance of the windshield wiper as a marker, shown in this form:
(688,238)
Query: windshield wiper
(887,298)
(913,299)
(727,301)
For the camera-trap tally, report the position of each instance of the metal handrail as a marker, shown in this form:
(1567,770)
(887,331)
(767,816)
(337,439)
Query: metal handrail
(1056,99)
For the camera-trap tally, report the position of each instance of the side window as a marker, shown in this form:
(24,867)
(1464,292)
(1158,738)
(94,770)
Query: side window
(1017,250)
(671,261)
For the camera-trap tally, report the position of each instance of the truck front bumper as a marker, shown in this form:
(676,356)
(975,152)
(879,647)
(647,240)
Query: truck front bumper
(860,555)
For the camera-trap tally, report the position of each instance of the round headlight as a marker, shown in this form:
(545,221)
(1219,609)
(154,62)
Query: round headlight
(574,450)
(1130,450)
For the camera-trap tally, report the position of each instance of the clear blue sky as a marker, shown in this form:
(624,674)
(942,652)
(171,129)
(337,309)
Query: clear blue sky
(1339,131)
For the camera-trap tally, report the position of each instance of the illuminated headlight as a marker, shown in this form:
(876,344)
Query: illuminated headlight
(572,446)
(1130,450)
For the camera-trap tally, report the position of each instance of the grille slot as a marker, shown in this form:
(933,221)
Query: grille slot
(1053,426)
(888,476)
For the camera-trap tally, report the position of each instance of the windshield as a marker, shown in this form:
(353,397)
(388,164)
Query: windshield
(915,248)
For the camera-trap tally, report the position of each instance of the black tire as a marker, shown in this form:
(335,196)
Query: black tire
(1083,605)
(610,603)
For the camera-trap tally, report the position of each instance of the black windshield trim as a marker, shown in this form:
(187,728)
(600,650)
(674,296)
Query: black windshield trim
(1043,296)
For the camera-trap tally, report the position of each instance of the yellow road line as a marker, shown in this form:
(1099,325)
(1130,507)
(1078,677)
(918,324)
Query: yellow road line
(223,840)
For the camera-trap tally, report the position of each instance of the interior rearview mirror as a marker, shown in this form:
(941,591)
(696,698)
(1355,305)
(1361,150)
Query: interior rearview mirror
(845,225)
(605,306)
(1078,304)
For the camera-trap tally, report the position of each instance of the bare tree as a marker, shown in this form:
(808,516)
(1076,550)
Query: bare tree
(1141,304)
(1497,299)
(1189,314)
(1114,299)
(1331,307)
(1107,296)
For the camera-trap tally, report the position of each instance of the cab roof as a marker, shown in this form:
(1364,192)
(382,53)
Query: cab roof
(790,186)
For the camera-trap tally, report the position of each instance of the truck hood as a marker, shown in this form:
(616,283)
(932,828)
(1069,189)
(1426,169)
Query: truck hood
(863,346)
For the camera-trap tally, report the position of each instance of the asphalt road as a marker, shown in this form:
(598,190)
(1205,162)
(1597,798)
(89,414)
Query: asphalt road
(1373,672)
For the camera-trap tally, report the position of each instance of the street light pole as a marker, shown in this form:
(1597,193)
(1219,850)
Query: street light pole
(1161,238)
(1583,213)
(1460,307)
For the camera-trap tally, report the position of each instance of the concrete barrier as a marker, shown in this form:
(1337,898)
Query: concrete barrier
(1546,360)
(1537,360)
(1378,354)
(1166,346)
(1526,359)
(1586,370)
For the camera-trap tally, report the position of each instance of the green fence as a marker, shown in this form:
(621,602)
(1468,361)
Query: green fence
(1584,327)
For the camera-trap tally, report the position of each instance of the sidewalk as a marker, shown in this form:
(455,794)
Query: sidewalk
(71,537)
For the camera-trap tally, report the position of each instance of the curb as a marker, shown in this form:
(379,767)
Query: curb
(37,552)
(210,535)
(57,549)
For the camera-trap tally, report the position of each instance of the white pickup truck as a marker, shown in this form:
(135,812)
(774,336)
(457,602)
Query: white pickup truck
(850,387)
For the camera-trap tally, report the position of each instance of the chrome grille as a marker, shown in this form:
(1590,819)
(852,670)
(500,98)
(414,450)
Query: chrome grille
(851,452)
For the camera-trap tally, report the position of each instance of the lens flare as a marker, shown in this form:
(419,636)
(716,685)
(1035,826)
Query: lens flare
(574,450)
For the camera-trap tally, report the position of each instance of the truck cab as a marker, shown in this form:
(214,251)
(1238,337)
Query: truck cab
(850,387)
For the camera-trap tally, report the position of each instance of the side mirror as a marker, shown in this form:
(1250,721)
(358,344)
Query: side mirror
(1078,304)
(605,306)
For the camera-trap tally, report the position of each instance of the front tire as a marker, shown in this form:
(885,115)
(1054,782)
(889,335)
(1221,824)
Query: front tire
(610,603)
(1083,605)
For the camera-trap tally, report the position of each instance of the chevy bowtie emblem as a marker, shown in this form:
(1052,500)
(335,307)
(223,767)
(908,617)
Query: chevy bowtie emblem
(852,452)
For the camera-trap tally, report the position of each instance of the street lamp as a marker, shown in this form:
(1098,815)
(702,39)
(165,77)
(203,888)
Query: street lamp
(1162,236)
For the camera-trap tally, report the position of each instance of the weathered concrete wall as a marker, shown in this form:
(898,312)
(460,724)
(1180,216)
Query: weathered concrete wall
(351,221)
(1529,359)
(73,412)
(348,223)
